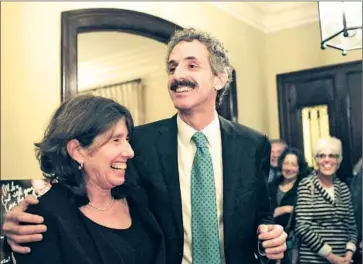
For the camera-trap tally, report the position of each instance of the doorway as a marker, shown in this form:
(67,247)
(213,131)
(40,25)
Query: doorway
(319,102)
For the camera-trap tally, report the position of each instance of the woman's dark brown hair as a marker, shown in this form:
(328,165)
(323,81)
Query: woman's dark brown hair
(83,117)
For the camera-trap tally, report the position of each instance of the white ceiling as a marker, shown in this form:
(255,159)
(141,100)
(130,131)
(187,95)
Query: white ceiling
(271,16)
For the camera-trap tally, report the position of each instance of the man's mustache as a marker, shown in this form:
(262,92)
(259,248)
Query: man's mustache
(182,83)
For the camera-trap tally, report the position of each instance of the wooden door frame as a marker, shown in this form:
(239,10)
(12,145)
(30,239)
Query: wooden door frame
(339,120)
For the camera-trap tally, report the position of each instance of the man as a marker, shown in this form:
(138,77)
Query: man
(218,220)
(277,147)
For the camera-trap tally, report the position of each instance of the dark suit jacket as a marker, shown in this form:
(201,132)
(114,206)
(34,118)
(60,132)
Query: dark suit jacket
(68,240)
(245,191)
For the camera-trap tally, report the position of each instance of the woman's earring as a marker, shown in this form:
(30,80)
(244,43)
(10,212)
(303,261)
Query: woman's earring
(80,166)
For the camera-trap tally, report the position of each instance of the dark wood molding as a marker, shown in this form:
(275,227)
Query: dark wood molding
(229,108)
(103,19)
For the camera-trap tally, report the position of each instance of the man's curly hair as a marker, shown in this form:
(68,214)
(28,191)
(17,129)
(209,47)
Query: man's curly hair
(218,55)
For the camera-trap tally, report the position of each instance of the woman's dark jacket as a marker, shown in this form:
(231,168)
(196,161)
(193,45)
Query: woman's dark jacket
(68,239)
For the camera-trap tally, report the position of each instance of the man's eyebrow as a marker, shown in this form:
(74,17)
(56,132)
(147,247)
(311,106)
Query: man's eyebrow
(171,62)
(187,58)
(191,58)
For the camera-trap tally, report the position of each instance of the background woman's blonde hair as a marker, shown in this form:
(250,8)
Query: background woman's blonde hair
(332,144)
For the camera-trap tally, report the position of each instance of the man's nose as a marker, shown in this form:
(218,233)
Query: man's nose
(179,72)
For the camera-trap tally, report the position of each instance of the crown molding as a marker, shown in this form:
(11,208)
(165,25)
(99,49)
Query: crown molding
(243,11)
(294,15)
(272,16)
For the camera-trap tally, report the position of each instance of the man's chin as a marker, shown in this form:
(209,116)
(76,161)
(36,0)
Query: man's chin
(182,107)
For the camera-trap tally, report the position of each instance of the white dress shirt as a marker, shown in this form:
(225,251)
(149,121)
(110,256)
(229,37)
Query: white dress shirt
(186,153)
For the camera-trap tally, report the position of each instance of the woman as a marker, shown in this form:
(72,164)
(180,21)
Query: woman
(324,214)
(94,213)
(283,192)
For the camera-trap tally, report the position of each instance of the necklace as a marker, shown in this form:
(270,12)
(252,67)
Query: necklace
(103,209)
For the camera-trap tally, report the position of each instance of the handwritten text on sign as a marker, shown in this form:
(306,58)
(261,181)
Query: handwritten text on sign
(13,194)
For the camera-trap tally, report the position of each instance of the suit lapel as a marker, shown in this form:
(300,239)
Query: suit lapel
(167,148)
(234,163)
(325,193)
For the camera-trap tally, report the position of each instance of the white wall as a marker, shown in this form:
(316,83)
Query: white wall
(294,50)
(30,67)
(30,60)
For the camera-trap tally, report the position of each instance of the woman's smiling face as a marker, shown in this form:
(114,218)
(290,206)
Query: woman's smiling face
(105,160)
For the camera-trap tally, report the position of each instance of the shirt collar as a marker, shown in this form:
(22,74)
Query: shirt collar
(212,131)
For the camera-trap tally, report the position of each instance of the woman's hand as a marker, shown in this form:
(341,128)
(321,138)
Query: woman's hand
(348,256)
(335,259)
(286,209)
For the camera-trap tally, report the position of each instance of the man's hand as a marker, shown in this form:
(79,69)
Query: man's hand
(16,233)
(273,239)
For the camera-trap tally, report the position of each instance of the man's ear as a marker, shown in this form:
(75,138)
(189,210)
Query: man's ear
(221,80)
(75,150)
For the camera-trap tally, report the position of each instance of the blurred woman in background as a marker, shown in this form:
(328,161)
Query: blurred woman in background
(283,192)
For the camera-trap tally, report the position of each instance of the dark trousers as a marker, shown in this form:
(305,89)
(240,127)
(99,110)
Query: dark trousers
(357,257)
